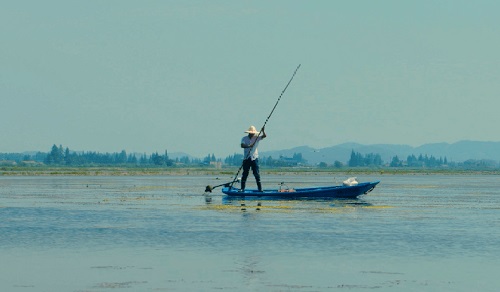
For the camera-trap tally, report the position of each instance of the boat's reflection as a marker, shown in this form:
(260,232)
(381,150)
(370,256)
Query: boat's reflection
(325,202)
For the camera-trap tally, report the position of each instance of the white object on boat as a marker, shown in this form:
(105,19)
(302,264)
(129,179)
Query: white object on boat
(350,181)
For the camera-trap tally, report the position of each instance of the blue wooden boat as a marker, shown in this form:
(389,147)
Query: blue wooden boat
(340,191)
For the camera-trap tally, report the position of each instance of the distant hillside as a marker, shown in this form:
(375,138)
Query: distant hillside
(457,152)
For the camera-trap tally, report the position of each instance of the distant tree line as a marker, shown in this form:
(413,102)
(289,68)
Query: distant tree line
(64,156)
(284,161)
(371,159)
(479,164)
(18,157)
(425,161)
(421,161)
(59,155)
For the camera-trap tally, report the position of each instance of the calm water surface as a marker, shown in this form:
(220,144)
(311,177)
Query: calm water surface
(412,233)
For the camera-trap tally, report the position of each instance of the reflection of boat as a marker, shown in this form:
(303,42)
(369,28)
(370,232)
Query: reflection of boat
(341,191)
(279,203)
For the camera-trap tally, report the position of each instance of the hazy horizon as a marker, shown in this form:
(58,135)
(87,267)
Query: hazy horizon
(192,76)
(180,153)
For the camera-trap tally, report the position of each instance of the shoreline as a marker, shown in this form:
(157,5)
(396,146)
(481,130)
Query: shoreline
(133,171)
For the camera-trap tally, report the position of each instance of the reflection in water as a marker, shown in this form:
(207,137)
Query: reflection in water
(275,204)
(208,198)
(299,202)
(249,267)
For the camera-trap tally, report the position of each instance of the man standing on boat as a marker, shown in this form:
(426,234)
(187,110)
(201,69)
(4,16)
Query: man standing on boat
(251,155)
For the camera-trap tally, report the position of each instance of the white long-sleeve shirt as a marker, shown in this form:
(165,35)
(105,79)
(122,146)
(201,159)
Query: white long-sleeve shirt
(254,154)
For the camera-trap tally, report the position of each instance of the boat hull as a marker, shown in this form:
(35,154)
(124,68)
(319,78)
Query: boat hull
(344,192)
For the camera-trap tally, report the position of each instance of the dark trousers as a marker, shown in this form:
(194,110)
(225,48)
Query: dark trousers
(254,165)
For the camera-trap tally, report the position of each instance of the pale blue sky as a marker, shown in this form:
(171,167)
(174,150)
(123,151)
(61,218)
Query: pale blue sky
(191,76)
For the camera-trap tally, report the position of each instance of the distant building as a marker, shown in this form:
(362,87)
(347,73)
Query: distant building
(216,164)
(30,163)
